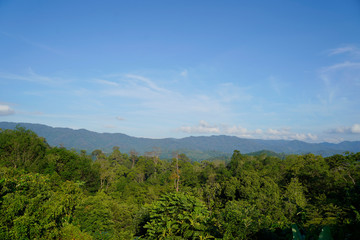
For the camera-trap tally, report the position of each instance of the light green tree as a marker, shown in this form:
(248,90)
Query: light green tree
(178,216)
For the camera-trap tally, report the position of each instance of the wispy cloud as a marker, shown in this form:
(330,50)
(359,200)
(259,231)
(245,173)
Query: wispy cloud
(340,81)
(32,76)
(151,98)
(354,129)
(274,134)
(6,110)
(184,73)
(287,134)
(120,118)
(348,49)
(106,82)
(340,66)
(150,84)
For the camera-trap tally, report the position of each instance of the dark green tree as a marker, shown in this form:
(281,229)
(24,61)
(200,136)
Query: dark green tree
(21,148)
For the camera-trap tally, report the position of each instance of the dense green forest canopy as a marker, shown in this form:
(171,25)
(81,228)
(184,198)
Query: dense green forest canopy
(55,193)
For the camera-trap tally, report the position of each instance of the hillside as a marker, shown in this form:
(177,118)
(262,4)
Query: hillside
(197,148)
(56,193)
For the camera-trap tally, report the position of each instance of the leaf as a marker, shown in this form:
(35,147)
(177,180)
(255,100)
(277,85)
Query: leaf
(325,233)
(296,233)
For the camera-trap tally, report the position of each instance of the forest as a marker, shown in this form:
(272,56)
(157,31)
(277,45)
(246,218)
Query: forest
(56,193)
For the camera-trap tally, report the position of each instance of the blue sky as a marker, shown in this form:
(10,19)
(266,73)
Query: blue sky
(281,69)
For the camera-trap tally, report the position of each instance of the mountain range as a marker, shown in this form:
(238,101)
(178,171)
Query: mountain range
(196,148)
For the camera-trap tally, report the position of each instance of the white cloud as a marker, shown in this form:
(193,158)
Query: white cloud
(312,136)
(270,134)
(352,50)
(287,134)
(354,129)
(283,131)
(202,127)
(32,76)
(303,137)
(150,84)
(339,130)
(153,99)
(5,110)
(120,118)
(235,130)
(344,65)
(341,82)
(334,140)
(106,82)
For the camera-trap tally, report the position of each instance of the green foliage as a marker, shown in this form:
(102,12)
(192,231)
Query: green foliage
(178,215)
(240,220)
(325,233)
(55,193)
(71,166)
(71,232)
(296,233)
(123,215)
(21,148)
(294,200)
(94,216)
(32,208)
(236,162)
(265,153)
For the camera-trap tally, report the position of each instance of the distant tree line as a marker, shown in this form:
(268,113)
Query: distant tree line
(55,193)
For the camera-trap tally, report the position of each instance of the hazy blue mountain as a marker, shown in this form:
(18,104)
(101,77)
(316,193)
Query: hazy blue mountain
(197,148)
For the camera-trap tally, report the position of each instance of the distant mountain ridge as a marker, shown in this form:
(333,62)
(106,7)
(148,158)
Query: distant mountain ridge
(197,148)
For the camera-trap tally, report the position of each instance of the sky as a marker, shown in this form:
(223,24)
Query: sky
(271,69)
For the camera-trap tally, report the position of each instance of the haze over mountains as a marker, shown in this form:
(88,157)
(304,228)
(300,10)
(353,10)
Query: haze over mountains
(197,148)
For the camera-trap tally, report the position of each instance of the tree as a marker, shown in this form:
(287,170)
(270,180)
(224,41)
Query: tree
(71,166)
(21,148)
(240,220)
(154,155)
(175,175)
(94,216)
(236,162)
(33,207)
(178,215)
(294,200)
(107,173)
(97,153)
(133,157)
